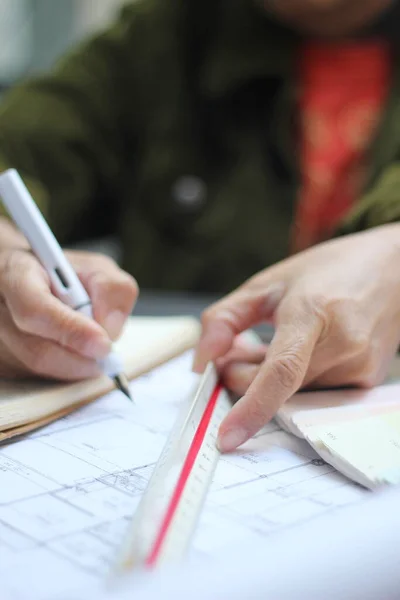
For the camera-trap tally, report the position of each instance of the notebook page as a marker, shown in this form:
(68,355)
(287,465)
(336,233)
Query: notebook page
(147,342)
(16,390)
(370,446)
(307,409)
(68,491)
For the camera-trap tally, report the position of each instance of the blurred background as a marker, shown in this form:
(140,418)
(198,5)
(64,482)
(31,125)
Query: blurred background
(35,33)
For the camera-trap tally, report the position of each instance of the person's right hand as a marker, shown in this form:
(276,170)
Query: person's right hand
(39,335)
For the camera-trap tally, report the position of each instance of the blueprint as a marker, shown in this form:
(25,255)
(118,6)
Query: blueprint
(68,491)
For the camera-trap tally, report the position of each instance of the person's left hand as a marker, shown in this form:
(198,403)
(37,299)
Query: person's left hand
(336,311)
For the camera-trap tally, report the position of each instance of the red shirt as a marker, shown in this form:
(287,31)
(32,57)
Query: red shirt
(343,90)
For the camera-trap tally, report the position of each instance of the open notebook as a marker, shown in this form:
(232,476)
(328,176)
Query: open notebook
(146,343)
(355,431)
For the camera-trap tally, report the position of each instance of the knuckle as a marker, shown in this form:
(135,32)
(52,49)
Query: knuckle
(287,369)
(127,286)
(342,308)
(353,338)
(318,301)
(344,323)
(322,306)
(69,332)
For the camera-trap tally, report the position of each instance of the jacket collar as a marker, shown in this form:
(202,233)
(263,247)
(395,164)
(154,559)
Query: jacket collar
(245,44)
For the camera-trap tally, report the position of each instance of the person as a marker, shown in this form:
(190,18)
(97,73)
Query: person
(217,138)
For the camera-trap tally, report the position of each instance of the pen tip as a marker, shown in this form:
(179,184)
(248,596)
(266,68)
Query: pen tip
(121,383)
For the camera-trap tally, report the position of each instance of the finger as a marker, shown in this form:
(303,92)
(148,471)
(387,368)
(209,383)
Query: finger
(112,291)
(239,311)
(35,311)
(238,376)
(243,350)
(250,355)
(280,376)
(10,366)
(23,354)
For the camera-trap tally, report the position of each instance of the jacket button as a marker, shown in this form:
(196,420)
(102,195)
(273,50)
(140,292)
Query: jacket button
(190,192)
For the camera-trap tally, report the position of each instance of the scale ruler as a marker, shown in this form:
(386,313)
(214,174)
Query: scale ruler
(168,512)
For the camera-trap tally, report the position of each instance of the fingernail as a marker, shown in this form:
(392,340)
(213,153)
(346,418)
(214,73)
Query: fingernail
(114,323)
(231,439)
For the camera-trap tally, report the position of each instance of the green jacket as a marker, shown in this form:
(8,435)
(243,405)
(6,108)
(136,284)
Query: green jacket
(173,130)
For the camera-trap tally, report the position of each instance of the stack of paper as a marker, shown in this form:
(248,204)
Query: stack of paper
(357,432)
(68,491)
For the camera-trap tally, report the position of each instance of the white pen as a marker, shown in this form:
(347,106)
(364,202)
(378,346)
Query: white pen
(69,289)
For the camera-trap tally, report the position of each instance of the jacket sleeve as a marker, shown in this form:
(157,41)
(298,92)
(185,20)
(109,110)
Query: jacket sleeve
(380,204)
(64,131)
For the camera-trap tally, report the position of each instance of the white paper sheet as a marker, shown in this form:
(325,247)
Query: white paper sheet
(348,555)
(67,491)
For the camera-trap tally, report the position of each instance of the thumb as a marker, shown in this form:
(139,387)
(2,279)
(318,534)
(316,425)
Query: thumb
(281,375)
(247,306)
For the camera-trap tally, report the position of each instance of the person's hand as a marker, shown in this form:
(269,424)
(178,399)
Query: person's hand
(336,311)
(39,335)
